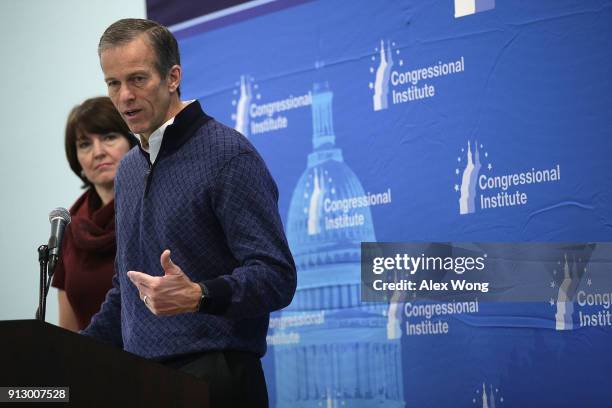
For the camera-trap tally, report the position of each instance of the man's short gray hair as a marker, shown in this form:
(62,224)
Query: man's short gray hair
(160,38)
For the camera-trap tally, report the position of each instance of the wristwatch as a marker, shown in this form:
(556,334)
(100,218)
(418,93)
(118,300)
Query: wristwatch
(203,297)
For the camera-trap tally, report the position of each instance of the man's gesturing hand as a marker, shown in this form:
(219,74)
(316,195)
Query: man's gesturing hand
(170,294)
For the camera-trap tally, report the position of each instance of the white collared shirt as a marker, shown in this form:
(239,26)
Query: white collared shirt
(155,140)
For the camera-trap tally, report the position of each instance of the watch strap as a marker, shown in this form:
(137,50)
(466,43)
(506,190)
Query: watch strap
(203,297)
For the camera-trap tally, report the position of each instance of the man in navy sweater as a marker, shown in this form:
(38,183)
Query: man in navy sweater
(202,258)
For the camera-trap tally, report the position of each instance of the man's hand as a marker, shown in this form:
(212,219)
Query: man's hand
(170,294)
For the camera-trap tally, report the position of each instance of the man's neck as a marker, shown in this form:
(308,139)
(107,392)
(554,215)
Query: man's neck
(175,107)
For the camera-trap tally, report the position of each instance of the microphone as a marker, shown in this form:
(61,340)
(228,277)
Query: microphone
(59,218)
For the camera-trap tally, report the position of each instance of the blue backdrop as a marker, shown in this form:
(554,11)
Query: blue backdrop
(471,120)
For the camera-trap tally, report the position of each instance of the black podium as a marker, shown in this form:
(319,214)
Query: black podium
(34,354)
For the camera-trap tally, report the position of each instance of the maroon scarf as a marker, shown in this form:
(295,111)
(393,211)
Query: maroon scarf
(93,225)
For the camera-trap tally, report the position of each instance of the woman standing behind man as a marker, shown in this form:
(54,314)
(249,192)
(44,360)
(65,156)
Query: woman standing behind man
(96,140)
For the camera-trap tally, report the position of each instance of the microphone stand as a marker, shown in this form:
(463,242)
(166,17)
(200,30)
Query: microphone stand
(48,255)
(43,260)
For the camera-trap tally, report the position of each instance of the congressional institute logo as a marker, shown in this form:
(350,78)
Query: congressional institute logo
(480,186)
(394,81)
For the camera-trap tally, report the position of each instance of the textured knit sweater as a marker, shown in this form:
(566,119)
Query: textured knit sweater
(210,199)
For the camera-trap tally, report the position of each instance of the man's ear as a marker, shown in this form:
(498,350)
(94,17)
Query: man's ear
(174,78)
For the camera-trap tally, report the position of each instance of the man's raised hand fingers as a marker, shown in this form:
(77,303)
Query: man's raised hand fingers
(140,279)
(166,262)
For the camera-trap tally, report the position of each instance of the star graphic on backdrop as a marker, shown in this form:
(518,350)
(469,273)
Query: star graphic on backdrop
(456,187)
(456,171)
(554,271)
(552,302)
(552,284)
(489,166)
(501,399)
(589,282)
(486,154)
(474,400)
(458,159)
(585,269)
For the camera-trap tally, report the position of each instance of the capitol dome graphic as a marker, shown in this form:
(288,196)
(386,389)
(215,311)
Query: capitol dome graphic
(337,353)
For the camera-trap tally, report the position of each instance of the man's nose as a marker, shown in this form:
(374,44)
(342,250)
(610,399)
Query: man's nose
(125,94)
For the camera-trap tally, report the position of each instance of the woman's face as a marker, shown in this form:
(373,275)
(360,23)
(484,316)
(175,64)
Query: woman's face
(99,156)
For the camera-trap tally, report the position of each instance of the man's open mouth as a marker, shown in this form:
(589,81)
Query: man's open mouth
(131,113)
